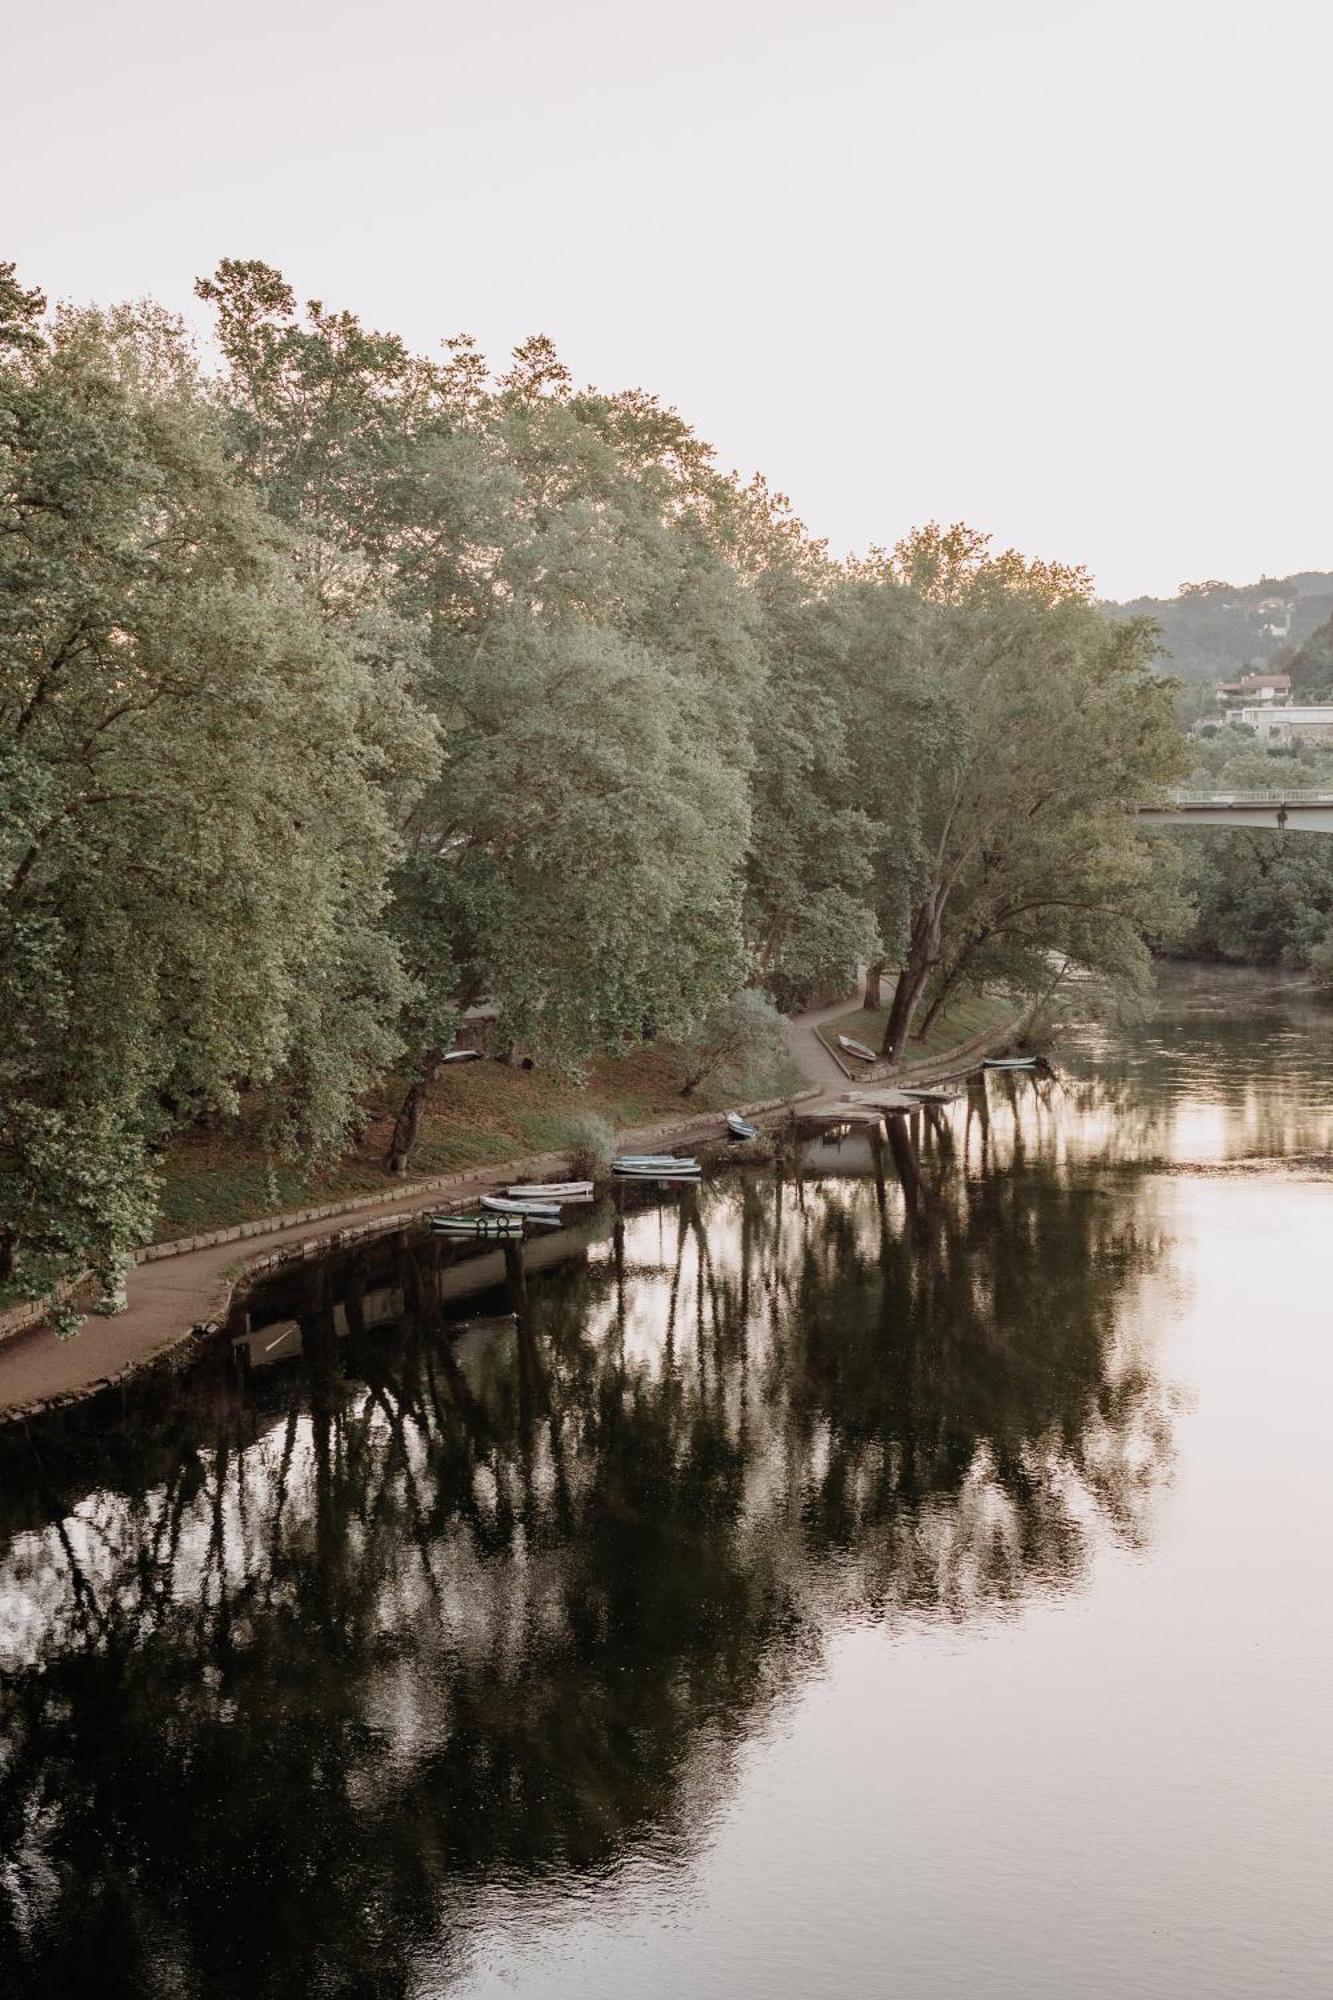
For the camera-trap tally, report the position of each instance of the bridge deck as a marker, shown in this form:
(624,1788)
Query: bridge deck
(1294,811)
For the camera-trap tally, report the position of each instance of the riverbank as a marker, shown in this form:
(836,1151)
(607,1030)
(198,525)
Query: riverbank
(182,1289)
(182,1292)
(475,1115)
(977,1016)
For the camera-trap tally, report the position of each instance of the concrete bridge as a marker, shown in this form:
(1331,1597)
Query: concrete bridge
(1292,812)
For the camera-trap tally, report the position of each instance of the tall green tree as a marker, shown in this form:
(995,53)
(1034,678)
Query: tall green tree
(587,652)
(1046,724)
(194,772)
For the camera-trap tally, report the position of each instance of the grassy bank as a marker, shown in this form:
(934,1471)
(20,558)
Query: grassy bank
(477,1112)
(977,1014)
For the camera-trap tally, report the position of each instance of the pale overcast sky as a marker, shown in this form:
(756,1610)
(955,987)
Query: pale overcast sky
(1058,270)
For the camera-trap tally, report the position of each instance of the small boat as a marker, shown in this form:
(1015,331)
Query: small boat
(477,1225)
(1010,1062)
(632,1162)
(683,1170)
(741,1128)
(857,1049)
(560,1191)
(531,1211)
(464,1055)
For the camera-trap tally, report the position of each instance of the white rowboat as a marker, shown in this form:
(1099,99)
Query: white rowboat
(531,1211)
(857,1049)
(552,1191)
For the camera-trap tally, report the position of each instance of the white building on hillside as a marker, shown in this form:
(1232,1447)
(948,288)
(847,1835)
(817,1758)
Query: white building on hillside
(1313,723)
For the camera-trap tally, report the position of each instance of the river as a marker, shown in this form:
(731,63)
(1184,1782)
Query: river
(906,1573)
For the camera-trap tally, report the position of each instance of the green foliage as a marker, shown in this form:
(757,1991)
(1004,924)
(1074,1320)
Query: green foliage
(1043,724)
(193,841)
(1311,664)
(591,1142)
(1257,897)
(746,1028)
(348,689)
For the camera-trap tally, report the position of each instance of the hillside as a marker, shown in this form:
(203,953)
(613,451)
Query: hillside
(1212,630)
(1310,663)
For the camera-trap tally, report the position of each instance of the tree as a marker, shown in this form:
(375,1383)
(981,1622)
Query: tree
(194,837)
(588,655)
(1044,724)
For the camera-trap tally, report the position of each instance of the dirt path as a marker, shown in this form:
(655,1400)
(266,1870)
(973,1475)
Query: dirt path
(811,1054)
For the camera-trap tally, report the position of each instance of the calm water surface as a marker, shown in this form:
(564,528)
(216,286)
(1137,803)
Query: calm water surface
(903,1574)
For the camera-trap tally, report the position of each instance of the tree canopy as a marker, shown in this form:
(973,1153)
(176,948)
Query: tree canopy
(343,688)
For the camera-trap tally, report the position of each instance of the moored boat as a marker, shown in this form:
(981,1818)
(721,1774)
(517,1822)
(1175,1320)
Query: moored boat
(1010,1062)
(477,1225)
(531,1211)
(741,1128)
(558,1191)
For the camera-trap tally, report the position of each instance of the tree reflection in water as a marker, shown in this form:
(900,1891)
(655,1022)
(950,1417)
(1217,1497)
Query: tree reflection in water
(303,1669)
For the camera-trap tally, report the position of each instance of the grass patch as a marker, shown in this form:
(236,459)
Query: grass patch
(974,1014)
(477,1113)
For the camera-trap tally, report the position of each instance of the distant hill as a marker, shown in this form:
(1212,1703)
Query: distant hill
(1311,663)
(1212,631)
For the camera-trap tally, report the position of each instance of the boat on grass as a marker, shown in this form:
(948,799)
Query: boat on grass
(857,1049)
(463,1055)
(741,1128)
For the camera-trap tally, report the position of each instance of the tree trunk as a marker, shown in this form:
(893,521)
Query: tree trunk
(933,1012)
(874,999)
(922,951)
(407,1125)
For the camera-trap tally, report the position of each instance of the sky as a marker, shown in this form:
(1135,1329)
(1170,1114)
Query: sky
(1058,270)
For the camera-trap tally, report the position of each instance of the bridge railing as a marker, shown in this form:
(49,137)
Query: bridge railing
(1170,800)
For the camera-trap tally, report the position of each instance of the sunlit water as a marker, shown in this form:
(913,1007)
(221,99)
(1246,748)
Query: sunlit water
(906,1576)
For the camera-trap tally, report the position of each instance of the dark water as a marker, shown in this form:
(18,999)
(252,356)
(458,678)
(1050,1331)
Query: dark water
(910,1577)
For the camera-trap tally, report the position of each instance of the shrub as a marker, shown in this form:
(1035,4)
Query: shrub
(591,1143)
(744,1029)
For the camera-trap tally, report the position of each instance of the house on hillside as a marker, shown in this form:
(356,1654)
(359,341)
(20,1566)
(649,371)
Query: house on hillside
(1255,687)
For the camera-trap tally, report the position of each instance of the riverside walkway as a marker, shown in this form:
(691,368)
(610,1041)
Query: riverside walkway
(176,1291)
